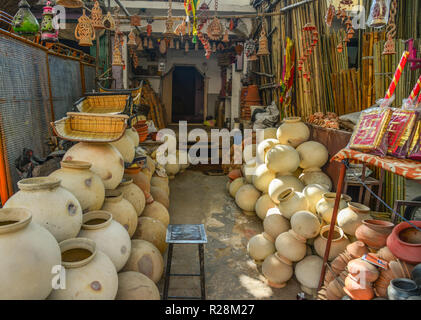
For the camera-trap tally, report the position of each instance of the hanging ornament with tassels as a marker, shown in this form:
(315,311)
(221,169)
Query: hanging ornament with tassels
(191,7)
(263,41)
(389,46)
(96,16)
(169,23)
(215,27)
(311,38)
(84,31)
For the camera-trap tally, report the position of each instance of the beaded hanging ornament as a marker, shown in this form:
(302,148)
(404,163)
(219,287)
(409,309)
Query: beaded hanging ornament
(311,38)
(389,46)
(84,31)
(109,22)
(96,16)
(215,27)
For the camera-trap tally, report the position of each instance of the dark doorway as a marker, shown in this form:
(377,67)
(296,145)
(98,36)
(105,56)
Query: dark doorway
(187,95)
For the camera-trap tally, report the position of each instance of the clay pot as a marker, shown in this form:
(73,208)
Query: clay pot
(260,246)
(374,233)
(172,169)
(334,290)
(358,291)
(325,206)
(51,206)
(269,133)
(291,246)
(349,219)
(133,135)
(281,183)
(126,147)
(277,270)
(402,289)
(136,286)
(338,245)
(404,242)
(122,210)
(246,197)
(90,274)
(416,274)
(314,193)
(340,263)
(139,178)
(263,204)
(264,147)
(397,269)
(248,170)
(312,154)
(25,247)
(157,211)
(291,202)
(133,194)
(236,185)
(152,230)
(107,161)
(262,178)
(85,185)
(308,270)
(146,259)
(274,224)
(160,196)
(357,249)
(283,159)
(110,236)
(150,164)
(234,174)
(363,271)
(293,132)
(316,176)
(306,224)
(161,183)
(385,254)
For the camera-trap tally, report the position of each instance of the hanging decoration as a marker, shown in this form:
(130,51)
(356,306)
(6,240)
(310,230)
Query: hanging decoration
(379,14)
(181,29)
(135,21)
(177,45)
(329,15)
(287,82)
(132,39)
(140,44)
(169,23)
(96,16)
(186,46)
(250,50)
(109,22)
(215,27)
(204,41)
(149,27)
(70,3)
(145,42)
(389,47)
(135,58)
(163,46)
(196,46)
(342,14)
(84,31)
(150,44)
(226,38)
(311,38)
(48,32)
(190,7)
(172,43)
(263,41)
(24,22)
(214,47)
(117,58)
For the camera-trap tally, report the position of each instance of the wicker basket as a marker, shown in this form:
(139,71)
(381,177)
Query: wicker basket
(90,127)
(135,92)
(105,103)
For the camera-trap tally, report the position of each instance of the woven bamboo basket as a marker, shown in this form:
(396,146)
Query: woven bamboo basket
(135,92)
(105,103)
(90,127)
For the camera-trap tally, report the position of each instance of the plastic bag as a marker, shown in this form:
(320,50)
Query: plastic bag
(267,119)
(379,13)
(400,131)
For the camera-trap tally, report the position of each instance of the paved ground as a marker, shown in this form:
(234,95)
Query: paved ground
(230,273)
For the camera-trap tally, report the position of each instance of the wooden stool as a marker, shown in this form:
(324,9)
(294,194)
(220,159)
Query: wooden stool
(186,234)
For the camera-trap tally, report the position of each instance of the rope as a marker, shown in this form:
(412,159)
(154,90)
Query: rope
(380,199)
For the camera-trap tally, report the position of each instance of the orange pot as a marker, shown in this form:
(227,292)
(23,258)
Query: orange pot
(358,291)
(374,233)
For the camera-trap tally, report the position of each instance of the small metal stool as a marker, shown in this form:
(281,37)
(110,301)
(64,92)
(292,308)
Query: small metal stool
(185,234)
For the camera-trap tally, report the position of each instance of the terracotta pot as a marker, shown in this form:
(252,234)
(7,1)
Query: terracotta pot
(84,184)
(90,274)
(246,197)
(107,161)
(349,219)
(126,147)
(363,271)
(316,176)
(374,233)
(402,289)
(293,132)
(338,245)
(140,179)
(162,183)
(110,236)
(133,135)
(385,254)
(25,247)
(252,93)
(314,193)
(291,202)
(146,259)
(51,206)
(157,211)
(281,183)
(122,210)
(340,263)
(397,269)
(312,154)
(133,194)
(262,178)
(275,224)
(263,204)
(160,196)
(282,159)
(264,147)
(357,249)
(404,242)
(358,291)
(308,270)
(236,185)
(334,291)
(291,246)
(306,224)
(325,206)
(277,270)
(136,286)
(260,246)
(151,230)
(234,174)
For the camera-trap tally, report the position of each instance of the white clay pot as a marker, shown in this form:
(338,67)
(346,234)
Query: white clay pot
(136,286)
(316,176)
(90,274)
(275,224)
(293,132)
(308,271)
(270,133)
(282,159)
(236,185)
(52,206)
(305,224)
(291,246)
(281,183)
(291,202)
(312,154)
(133,194)
(146,259)
(349,219)
(325,206)
(246,197)
(338,245)
(110,236)
(25,247)
(264,147)
(107,162)
(133,135)
(152,230)
(126,147)
(277,270)
(260,246)
(263,204)
(314,193)
(157,211)
(263,178)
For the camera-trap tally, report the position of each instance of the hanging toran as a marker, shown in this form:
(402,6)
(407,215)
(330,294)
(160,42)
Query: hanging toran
(84,31)
(96,16)
(215,27)
(389,46)
(190,7)
(311,37)
(109,22)
(263,41)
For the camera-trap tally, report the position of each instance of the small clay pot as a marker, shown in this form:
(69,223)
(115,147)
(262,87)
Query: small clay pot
(362,270)
(402,289)
(374,233)
(357,249)
(358,291)
(404,242)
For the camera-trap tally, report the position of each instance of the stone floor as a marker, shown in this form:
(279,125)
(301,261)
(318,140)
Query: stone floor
(230,274)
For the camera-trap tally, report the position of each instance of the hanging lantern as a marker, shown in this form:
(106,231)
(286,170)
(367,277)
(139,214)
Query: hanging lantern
(48,33)
(132,39)
(140,46)
(117,58)
(163,46)
(226,38)
(109,22)
(96,16)
(150,44)
(263,44)
(84,31)
(135,21)
(24,22)
(70,3)
(215,29)
(180,30)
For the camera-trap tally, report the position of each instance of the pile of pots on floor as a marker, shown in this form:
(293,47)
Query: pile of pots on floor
(99,224)
(283,184)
